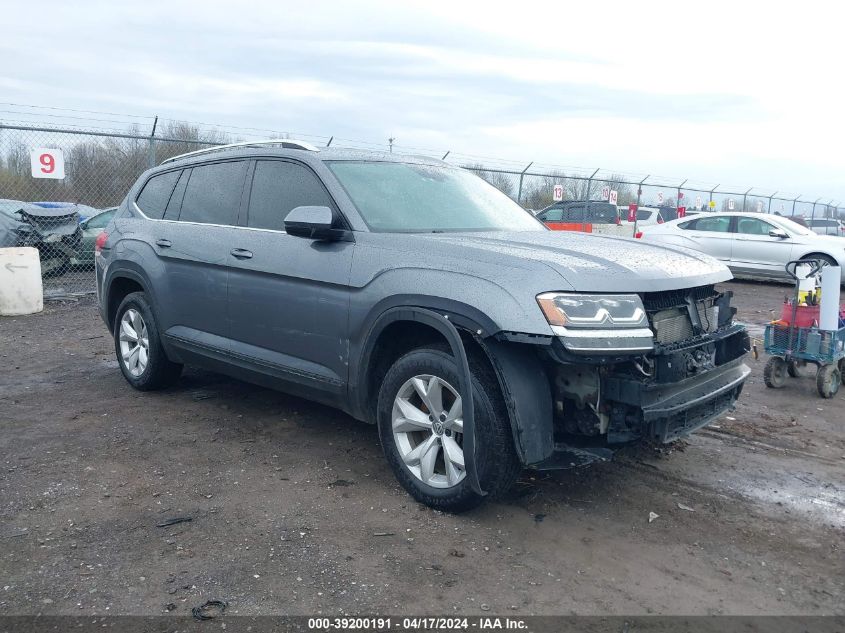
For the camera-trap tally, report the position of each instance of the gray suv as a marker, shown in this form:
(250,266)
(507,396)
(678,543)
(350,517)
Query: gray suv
(413,295)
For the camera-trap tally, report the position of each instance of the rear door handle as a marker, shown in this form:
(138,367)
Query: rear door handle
(164,243)
(241,253)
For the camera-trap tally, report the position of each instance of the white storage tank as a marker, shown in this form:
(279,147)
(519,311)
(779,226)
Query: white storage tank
(21,291)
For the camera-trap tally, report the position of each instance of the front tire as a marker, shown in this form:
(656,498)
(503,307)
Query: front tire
(774,374)
(137,344)
(420,421)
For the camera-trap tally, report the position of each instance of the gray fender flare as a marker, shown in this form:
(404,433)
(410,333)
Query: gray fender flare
(442,324)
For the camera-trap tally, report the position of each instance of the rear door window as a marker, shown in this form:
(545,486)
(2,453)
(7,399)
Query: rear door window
(574,213)
(718,224)
(101,220)
(213,193)
(602,213)
(277,188)
(156,194)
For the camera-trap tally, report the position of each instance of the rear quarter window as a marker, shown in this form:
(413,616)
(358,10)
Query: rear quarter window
(156,193)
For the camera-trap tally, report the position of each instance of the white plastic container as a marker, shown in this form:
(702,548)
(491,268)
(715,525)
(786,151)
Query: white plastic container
(21,291)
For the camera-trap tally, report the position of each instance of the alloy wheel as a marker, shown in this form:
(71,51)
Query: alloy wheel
(134,342)
(428,430)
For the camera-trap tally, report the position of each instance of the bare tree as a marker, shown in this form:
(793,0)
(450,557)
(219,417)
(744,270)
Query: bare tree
(502,182)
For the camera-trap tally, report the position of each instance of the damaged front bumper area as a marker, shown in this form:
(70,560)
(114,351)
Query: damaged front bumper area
(687,374)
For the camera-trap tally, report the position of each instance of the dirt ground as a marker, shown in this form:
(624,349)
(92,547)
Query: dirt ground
(294,511)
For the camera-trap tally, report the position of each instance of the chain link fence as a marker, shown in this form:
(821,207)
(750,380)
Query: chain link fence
(59,188)
(60,201)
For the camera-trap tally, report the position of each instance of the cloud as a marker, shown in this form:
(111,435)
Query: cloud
(723,91)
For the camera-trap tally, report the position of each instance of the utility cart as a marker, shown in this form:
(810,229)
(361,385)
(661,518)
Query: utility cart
(793,342)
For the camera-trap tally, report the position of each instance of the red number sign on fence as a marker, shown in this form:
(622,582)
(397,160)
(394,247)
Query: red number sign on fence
(47,163)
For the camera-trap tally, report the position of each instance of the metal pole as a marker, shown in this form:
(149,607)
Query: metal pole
(711,193)
(329,144)
(639,194)
(151,148)
(827,211)
(813,216)
(678,198)
(769,210)
(521,176)
(793,204)
(587,205)
(390,143)
(744,198)
(446,154)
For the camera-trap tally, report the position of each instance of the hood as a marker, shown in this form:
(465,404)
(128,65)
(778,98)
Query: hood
(62,221)
(589,262)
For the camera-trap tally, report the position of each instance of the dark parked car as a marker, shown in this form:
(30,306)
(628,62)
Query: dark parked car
(54,231)
(413,295)
(584,215)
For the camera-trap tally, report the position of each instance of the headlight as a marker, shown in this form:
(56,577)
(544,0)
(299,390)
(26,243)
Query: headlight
(593,311)
(598,323)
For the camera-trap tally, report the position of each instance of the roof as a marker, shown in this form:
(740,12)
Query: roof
(298,149)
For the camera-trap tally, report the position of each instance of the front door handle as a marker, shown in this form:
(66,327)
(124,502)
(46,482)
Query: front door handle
(164,243)
(241,253)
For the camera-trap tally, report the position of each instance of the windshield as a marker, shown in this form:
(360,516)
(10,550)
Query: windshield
(405,197)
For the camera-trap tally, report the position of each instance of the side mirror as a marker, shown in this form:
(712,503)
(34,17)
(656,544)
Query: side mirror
(778,233)
(316,223)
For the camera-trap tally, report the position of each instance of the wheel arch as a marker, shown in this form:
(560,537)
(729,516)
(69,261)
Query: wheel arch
(818,254)
(521,377)
(120,283)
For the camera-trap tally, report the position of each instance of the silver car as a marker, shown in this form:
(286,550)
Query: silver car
(752,245)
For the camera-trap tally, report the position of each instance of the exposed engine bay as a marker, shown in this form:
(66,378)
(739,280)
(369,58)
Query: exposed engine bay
(692,375)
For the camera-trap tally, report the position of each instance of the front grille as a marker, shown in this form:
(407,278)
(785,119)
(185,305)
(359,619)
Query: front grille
(655,301)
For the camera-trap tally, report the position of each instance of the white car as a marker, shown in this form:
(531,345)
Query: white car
(646,216)
(752,245)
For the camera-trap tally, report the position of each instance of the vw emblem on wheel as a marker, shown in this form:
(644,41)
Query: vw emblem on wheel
(437,427)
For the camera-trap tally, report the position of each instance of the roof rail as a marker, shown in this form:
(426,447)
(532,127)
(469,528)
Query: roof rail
(283,142)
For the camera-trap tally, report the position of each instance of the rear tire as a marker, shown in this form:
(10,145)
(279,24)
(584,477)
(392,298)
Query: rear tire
(826,259)
(137,344)
(828,380)
(774,374)
(496,460)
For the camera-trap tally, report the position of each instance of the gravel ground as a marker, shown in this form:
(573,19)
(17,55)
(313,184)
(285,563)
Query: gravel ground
(293,510)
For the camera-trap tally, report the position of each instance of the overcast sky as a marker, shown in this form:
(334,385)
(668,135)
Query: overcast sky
(738,93)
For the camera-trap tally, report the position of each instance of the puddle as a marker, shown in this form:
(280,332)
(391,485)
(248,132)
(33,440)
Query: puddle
(807,488)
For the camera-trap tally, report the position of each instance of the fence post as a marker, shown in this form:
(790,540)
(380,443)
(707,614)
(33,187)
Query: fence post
(151,150)
(769,210)
(587,205)
(521,176)
(711,193)
(813,216)
(744,198)
(678,198)
(639,195)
